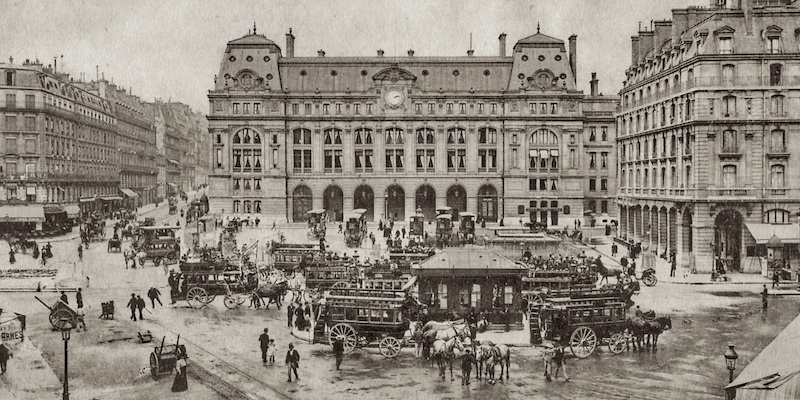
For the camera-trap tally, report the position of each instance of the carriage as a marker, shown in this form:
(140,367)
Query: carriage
(60,312)
(93,229)
(325,277)
(157,243)
(316,224)
(204,280)
(287,256)
(417,227)
(543,283)
(377,310)
(164,357)
(444,229)
(114,245)
(355,228)
(173,206)
(467,226)
(585,323)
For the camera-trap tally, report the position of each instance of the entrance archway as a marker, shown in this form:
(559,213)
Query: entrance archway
(457,200)
(301,203)
(487,202)
(333,202)
(395,198)
(728,238)
(426,200)
(365,198)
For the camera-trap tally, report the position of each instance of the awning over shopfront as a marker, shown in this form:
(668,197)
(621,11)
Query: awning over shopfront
(22,213)
(172,185)
(87,199)
(110,198)
(53,209)
(73,211)
(128,192)
(787,233)
(172,161)
(467,263)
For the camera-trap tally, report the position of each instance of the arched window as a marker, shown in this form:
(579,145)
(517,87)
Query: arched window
(301,140)
(237,139)
(543,151)
(333,150)
(776,216)
(394,150)
(456,150)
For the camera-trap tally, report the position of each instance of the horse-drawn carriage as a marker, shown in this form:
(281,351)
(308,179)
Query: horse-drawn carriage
(93,228)
(325,276)
(416,227)
(204,280)
(543,283)
(355,228)
(157,243)
(21,244)
(377,310)
(316,224)
(173,205)
(467,226)
(288,256)
(585,324)
(114,245)
(444,229)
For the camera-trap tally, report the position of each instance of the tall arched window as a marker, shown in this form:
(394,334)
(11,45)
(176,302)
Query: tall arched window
(301,142)
(543,151)
(363,150)
(394,150)
(426,150)
(487,150)
(333,150)
(456,150)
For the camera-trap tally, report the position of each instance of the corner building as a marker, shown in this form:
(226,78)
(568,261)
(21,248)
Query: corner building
(709,114)
(500,136)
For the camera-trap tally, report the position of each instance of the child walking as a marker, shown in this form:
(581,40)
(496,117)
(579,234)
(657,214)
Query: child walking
(271,352)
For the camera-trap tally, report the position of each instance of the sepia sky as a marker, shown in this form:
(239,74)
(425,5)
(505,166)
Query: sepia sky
(172,49)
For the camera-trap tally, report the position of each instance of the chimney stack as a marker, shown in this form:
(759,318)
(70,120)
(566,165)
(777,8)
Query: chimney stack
(289,44)
(593,84)
(411,53)
(502,49)
(320,53)
(470,52)
(380,53)
(573,58)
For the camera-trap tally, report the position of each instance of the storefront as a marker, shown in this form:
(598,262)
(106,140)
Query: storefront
(772,246)
(457,281)
(21,218)
(131,200)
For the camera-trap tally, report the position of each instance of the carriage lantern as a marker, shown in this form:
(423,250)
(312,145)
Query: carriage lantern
(730,361)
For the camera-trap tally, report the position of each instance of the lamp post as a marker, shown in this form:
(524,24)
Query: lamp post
(66,329)
(730,361)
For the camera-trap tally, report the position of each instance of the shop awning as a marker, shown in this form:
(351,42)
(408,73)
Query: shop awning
(53,209)
(172,185)
(172,161)
(73,211)
(87,199)
(22,213)
(788,233)
(128,192)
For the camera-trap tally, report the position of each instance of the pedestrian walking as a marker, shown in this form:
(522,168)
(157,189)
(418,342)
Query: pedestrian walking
(79,298)
(614,250)
(340,228)
(140,304)
(80,318)
(338,351)
(673,265)
(764,294)
(180,384)
(560,360)
(292,362)
(154,294)
(5,354)
(273,224)
(11,258)
(403,231)
(35,251)
(466,366)
(290,314)
(271,352)
(547,356)
(64,297)
(264,340)
(132,304)
(776,277)
(80,252)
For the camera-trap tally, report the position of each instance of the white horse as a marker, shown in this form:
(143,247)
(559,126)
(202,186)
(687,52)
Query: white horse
(444,352)
(490,354)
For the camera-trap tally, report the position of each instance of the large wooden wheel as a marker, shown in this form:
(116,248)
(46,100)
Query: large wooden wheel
(347,334)
(583,341)
(617,343)
(231,301)
(390,346)
(341,285)
(142,261)
(210,298)
(57,315)
(196,296)
(154,366)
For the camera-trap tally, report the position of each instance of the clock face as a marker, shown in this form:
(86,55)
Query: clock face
(394,97)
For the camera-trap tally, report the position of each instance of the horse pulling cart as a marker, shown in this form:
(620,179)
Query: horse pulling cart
(378,310)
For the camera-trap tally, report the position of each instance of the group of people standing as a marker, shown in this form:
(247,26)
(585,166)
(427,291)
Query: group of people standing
(136,302)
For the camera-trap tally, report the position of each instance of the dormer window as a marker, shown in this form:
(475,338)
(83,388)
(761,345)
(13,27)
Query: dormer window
(725,39)
(772,35)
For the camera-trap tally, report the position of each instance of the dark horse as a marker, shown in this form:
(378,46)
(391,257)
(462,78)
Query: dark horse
(640,327)
(605,272)
(274,292)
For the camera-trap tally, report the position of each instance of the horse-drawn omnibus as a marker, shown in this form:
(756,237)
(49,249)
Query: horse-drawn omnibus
(288,256)
(324,276)
(377,310)
(416,228)
(316,224)
(444,229)
(584,324)
(355,228)
(467,226)
(203,280)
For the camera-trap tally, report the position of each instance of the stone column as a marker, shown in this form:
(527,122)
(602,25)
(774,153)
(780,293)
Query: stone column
(662,231)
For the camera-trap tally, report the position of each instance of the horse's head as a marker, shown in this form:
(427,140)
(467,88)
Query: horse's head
(666,322)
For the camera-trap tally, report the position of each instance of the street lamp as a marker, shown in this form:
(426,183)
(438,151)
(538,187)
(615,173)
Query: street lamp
(66,329)
(730,361)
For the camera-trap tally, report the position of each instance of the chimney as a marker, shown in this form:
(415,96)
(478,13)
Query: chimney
(320,53)
(593,84)
(380,53)
(289,44)
(502,49)
(411,53)
(679,24)
(634,51)
(55,64)
(573,58)
(661,34)
(97,72)
(470,52)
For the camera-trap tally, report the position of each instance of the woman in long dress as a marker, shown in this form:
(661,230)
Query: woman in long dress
(180,384)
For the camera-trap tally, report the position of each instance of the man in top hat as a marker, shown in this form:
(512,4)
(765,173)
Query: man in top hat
(466,366)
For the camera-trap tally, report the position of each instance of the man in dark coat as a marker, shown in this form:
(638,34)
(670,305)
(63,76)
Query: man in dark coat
(132,304)
(764,294)
(292,362)
(79,298)
(154,294)
(64,297)
(290,314)
(140,304)
(338,351)
(466,366)
(264,339)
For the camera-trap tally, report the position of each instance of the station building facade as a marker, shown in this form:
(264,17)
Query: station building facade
(506,136)
(709,113)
